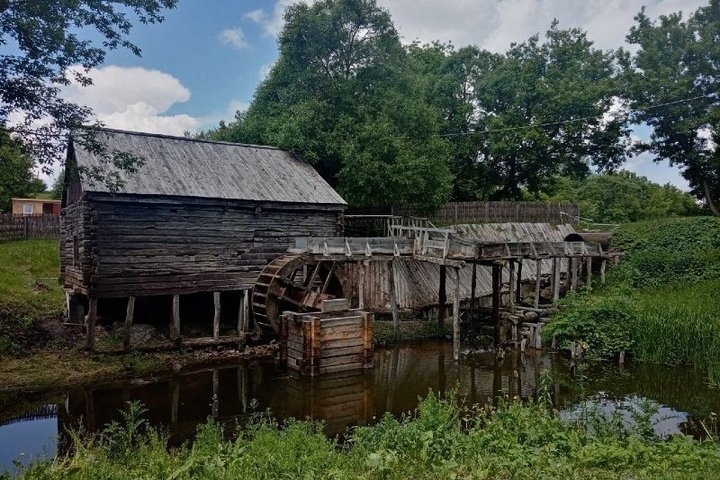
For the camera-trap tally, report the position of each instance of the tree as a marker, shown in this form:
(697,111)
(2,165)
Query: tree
(57,187)
(16,176)
(540,113)
(51,44)
(624,197)
(341,95)
(674,86)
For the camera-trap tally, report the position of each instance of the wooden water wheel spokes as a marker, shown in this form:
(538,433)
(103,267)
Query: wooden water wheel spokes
(293,282)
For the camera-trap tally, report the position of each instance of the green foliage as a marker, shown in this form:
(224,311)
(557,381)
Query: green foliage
(661,302)
(49,46)
(676,59)
(342,95)
(601,325)
(442,439)
(622,197)
(16,176)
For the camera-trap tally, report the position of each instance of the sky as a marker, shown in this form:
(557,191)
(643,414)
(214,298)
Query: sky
(206,59)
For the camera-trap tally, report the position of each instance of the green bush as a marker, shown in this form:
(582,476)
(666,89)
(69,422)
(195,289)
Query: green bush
(602,325)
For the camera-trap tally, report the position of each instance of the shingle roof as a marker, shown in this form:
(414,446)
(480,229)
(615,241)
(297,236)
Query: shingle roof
(180,166)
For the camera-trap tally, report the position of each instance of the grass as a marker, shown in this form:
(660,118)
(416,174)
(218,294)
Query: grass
(661,304)
(30,271)
(441,439)
(30,294)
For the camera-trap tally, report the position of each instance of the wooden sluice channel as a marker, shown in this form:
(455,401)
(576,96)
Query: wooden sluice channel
(451,252)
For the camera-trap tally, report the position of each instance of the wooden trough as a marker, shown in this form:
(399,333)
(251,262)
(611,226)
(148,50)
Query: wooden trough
(333,340)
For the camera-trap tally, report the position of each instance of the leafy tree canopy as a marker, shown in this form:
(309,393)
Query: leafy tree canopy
(16,176)
(680,59)
(623,197)
(47,45)
(342,95)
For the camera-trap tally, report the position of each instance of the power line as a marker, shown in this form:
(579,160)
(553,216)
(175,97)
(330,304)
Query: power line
(573,120)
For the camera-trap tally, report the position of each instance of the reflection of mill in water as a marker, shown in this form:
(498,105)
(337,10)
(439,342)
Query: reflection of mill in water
(232,394)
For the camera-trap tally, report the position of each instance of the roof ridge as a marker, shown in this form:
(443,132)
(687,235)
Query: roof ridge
(187,139)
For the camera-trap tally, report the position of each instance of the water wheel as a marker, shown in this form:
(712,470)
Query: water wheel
(293,282)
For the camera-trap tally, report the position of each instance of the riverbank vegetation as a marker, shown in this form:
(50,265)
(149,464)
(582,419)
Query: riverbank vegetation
(439,440)
(661,302)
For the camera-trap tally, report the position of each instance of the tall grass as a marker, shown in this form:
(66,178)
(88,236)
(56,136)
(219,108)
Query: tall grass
(662,304)
(442,439)
(680,323)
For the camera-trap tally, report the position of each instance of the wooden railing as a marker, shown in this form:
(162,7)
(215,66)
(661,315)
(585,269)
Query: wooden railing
(500,212)
(25,227)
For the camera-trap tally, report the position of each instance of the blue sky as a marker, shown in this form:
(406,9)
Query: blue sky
(206,59)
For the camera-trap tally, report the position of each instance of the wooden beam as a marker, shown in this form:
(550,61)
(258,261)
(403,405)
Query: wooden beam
(538,281)
(90,323)
(216,317)
(361,285)
(573,274)
(129,313)
(175,325)
(442,298)
(244,312)
(603,265)
(557,262)
(511,285)
(216,393)
(456,317)
(496,286)
(588,267)
(518,286)
(473,288)
(390,269)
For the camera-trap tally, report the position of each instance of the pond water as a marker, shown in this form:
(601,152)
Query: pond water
(178,403)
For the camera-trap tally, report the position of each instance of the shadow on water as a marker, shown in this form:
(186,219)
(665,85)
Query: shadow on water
(232,393)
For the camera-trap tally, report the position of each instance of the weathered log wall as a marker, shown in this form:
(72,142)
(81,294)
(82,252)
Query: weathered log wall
(135,246)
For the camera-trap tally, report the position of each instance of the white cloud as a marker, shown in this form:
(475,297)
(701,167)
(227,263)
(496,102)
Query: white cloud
(134,98)
(265,71)
(272,21)
(233,37)
(495,24)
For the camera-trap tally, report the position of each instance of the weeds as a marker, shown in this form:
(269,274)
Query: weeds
(514,440)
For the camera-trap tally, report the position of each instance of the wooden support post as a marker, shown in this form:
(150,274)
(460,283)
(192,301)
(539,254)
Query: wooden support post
(390,268)
(588,273)
(361,285)
(538,280)
(129,312)
(573,274)
(442,299)
(241,314)
(456,317)
(557,263)
(511,286)
(603,265)
(175,326)
(518,286)
(216,317)
(473,288)
(496,285)
(90,323)
(216,393)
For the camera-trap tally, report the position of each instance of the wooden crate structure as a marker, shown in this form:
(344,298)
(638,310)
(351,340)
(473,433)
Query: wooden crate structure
(328,341)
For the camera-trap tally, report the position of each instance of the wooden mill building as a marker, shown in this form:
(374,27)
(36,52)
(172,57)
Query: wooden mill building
(197,216)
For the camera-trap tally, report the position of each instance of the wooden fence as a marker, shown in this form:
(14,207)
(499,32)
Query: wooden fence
(25,227)
(500,212)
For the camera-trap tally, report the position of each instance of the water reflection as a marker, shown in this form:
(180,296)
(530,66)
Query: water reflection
(231,393)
